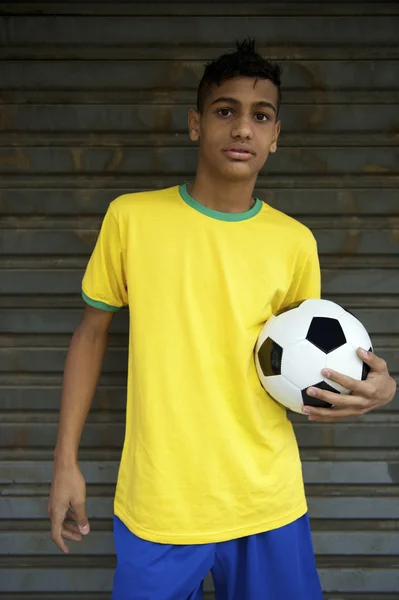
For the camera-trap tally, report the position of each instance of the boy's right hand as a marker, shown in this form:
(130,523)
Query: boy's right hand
(67,506)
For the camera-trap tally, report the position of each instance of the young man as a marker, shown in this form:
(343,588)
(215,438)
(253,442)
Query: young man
(210,476)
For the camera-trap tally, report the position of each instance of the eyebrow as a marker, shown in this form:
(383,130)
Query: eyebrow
(229,100)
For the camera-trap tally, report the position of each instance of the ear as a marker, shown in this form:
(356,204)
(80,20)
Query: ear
(273,145)
(194,124)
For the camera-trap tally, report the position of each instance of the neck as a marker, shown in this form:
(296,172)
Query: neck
(227,196)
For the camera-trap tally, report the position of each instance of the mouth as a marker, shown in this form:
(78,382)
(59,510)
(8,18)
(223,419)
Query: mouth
(238,154)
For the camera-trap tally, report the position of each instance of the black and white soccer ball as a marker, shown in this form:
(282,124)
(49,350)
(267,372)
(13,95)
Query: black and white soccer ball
(301,340)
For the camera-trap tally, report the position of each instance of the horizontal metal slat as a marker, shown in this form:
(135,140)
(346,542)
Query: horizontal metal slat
(278,52)
(178,74)
(114,416)
(131,124)
(41,327)
(327,261)
(365,470)
(339,183)
(42,397)
(74,300)
(297,202)
(182,161)
(99,543)
(111,435)
(47,249)
(179,139)
(102,507)
(89,580)
(52,360)
(194,8)
(68,281)
(143,29)
(88,224)
(292,95)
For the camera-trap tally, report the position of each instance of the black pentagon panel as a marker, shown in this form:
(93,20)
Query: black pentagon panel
(270,355)
(312,401)
(366,368)
(326,334)
(289,307)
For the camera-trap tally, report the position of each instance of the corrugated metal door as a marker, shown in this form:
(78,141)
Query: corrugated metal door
(94,102)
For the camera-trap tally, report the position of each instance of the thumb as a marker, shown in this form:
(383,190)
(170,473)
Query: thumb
(81,518)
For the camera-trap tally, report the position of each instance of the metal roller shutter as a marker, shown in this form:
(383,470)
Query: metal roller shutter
(94,98)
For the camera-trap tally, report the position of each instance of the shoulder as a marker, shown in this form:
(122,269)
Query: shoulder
(290,228)
(133,202)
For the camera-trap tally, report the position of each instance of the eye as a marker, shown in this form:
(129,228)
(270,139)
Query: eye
(266,117)
(224,110)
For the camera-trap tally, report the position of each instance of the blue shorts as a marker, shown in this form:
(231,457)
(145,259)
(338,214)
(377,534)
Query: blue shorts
(275,565)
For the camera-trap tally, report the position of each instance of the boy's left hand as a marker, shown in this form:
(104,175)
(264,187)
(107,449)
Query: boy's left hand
(377,390)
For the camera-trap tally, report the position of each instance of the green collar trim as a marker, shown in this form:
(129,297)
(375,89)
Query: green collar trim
(216,214)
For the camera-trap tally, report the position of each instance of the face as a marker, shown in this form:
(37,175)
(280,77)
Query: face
(237,129)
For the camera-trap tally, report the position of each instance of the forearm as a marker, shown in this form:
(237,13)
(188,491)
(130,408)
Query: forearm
(82,371)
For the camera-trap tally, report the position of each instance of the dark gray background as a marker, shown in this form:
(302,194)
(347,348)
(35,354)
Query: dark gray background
(94,98)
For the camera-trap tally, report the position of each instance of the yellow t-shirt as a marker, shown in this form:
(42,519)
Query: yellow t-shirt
(208,455)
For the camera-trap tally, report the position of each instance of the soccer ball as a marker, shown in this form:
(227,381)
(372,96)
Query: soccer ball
(298,342)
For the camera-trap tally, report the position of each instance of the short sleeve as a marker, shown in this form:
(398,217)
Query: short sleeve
(306,281)
(104,282)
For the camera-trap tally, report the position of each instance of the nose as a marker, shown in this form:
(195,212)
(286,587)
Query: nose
(242,128)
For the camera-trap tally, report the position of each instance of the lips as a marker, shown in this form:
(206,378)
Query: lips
(238,154)
(239,151)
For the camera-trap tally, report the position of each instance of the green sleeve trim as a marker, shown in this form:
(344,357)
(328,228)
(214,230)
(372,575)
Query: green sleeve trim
(100,305)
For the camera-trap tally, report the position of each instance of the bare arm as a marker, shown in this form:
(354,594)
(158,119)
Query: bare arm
(82,371)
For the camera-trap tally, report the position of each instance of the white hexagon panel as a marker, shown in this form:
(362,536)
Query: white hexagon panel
(355,333)
(289,327)
(321,308)
(346,361)
(302,364)
(284,392)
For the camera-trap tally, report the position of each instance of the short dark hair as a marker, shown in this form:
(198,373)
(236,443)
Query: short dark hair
(245,61)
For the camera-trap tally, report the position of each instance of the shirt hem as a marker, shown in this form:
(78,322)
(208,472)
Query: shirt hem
(208,538)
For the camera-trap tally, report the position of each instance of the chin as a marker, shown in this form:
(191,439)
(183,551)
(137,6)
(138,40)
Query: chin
(239,172)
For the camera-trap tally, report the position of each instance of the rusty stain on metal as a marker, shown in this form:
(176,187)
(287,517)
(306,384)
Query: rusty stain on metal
(7,341)
(173,73)
(17,159)
(349,201)
(394,228)
(77,157)
(88,237)
(328,436)
(86,195)
(317,85)
(20,438)
(163,120)
(159,160)
(310,159)
(7,121)
(3,203)
(115,160)
(317,115)
(376,169)
(350,246)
